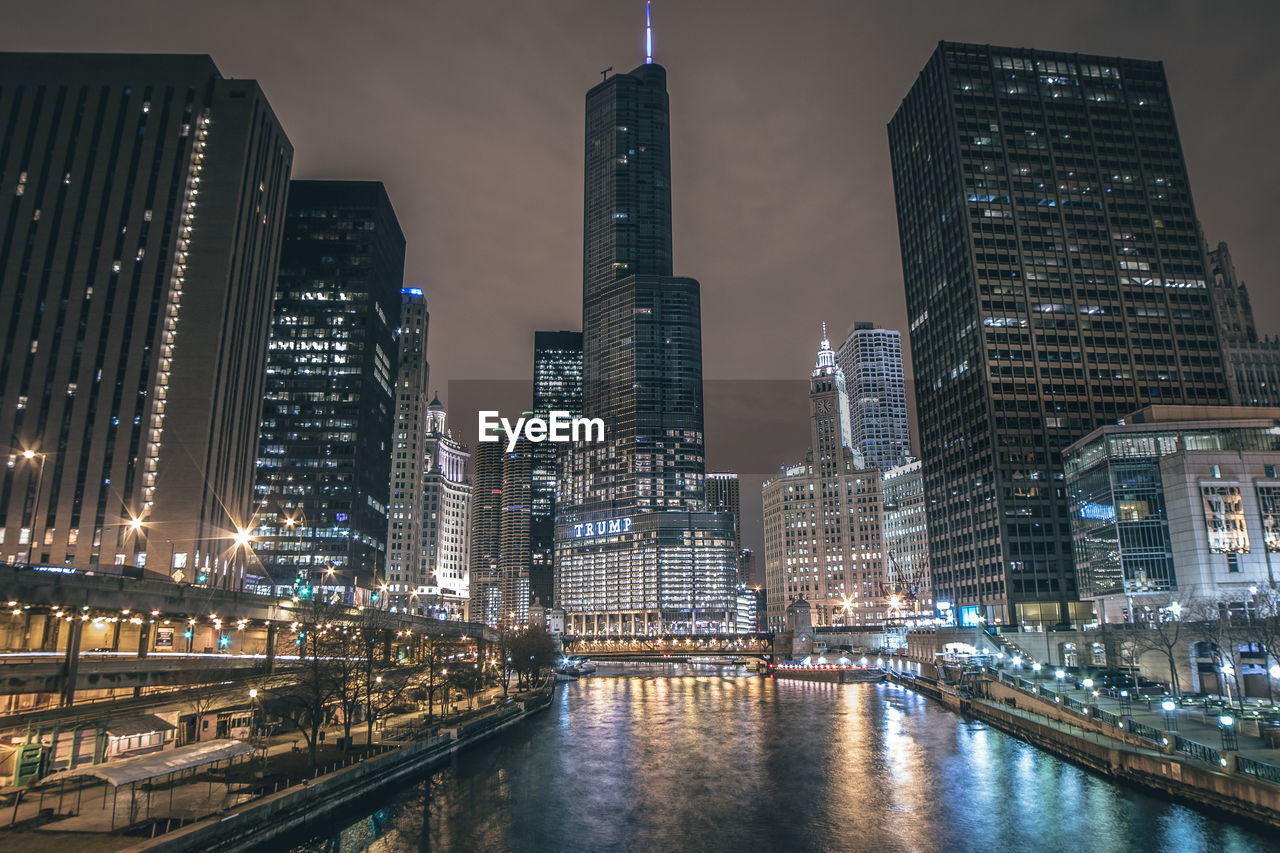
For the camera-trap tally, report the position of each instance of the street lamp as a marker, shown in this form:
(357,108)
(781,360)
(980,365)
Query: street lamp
(1170,717)
(29,455)
(1226,726)
(1087,684)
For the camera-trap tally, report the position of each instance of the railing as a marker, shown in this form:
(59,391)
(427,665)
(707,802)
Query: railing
(1074,704)
(1107,717)
(1207,754)
(1144,731)
(1269,772)
(1027,684)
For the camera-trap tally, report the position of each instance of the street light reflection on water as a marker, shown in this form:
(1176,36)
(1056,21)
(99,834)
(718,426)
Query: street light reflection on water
(657,757)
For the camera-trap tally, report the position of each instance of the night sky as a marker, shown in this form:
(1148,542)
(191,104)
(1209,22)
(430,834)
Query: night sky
(471,113)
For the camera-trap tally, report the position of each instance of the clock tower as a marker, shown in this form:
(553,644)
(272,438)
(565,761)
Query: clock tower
(829,429)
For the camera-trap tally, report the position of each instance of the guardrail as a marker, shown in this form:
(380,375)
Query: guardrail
(1199,751)
(1269,772)
(1073,703)
(1107,717)
(1144,731)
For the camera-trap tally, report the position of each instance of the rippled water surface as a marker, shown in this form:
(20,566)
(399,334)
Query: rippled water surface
(676,758)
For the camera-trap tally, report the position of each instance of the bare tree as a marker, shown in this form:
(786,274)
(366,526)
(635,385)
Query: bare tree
(1164,635)
(1223,631)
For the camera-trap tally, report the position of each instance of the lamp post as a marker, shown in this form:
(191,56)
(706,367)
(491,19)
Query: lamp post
(1087,684)
(1170,715)
(1227,728)
(35,506)
(243,539)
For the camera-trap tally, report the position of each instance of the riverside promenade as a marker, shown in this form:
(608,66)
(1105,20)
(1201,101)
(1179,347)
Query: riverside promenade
(277,777)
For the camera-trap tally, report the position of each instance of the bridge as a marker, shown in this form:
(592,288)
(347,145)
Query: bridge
(670,646)
(100,629)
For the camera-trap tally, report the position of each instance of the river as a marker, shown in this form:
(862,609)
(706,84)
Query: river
(669,757)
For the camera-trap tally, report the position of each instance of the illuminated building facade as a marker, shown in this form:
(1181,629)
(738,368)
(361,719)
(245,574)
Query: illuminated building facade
(674,568)
(329,418)
(871,359)
(428,519)
(500,550)
(407,565)
(823,520)
(906,543)
(1054,283)
(443,590)
(139,244)
(557,386)
(1178,503)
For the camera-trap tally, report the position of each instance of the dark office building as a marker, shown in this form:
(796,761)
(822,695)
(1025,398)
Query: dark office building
(324,459)
(138,253)
(723,495)
(557,386)
(1055,282)
(635,550)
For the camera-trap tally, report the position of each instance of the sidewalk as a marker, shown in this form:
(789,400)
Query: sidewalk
(95,807)
(1188,721)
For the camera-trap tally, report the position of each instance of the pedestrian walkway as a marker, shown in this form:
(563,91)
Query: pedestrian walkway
(1194,722)
(91,806)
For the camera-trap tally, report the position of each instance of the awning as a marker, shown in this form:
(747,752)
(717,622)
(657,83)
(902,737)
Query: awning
(140,725)
(143,767)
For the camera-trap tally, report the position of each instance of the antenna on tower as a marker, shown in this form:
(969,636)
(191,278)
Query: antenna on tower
(648,34)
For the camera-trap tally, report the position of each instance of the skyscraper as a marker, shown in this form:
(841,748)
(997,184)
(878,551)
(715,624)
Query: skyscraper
(636,551)
(1252,362)
(500,539)
(1054,283)
(823,519)
(486,534)
(407,566)
(139,246)
(871,359)
(443,589)
(324,459)
(906,543)
(557,386)
(723,496)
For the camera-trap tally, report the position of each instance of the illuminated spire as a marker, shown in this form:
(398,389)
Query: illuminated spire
(648,35)
(826,358)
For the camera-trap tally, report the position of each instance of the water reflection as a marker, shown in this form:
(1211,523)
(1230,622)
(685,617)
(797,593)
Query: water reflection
(671,757)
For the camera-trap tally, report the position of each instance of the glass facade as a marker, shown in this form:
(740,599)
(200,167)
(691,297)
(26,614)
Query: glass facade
(642,375)
(1055,282)
(871,360)
(1119,513)
(557,386)
(328,420)
(1224,519)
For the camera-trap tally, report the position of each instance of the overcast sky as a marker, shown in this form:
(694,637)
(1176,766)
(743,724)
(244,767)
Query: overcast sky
(471,113)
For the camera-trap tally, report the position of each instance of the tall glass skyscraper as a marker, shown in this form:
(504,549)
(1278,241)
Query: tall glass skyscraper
(138,250)
(871,359)
(636,550)
(557,387)
(325,453)
(1055,283)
